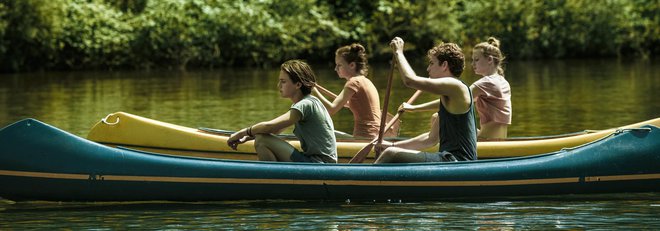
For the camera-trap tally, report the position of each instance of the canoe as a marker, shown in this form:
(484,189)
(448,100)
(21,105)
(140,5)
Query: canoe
(41,162)
(128,130)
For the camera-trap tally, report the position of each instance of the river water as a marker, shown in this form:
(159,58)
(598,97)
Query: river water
(549,97)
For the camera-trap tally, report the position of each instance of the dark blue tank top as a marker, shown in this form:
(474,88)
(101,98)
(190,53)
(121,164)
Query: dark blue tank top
(458,132)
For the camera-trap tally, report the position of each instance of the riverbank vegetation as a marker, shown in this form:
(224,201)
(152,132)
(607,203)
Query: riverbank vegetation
(142,34)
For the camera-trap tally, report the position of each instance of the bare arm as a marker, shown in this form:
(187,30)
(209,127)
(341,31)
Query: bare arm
(274,126)
(339,102)
(321,90)
(277,125)
(455,94)
(422,141)
(326,103)
(476,92)
(428,106)
(440,86)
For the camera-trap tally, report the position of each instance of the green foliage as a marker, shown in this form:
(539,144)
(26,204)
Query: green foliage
(94,36)
(375,23)
(642,28)
(422,24)
(211,33)
(76,34)
(128,6)
(549,28)
(28,33)
(577,28)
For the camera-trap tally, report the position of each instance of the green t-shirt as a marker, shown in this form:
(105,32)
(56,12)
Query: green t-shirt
(315,129)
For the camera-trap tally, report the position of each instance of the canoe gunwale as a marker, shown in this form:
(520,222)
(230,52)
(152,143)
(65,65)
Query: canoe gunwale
(179,138)
(41,162)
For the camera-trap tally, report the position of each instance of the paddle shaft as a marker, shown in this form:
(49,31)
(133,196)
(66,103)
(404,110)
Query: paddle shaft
(362,154)
(326,91)
(386,102)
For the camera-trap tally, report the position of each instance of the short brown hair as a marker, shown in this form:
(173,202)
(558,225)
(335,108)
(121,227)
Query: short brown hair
(452,54)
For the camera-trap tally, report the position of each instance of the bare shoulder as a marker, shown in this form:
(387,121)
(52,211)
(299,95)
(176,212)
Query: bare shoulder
(458,96)
(454,87)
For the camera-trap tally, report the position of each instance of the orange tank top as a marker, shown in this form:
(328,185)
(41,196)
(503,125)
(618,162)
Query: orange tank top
(365,106)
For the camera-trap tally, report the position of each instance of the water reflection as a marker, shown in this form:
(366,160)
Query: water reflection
(549,97)
(639,211)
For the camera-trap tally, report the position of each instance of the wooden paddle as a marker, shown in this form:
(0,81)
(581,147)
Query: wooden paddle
(391,131)
(359,157)
(386,102)
(362,154)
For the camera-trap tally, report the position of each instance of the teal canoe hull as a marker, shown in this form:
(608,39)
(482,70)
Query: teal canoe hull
(41,162)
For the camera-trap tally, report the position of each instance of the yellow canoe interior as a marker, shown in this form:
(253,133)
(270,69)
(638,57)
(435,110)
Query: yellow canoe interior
(132,131)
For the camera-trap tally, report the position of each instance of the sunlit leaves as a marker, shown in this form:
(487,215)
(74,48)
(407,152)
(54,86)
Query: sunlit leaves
(73,34)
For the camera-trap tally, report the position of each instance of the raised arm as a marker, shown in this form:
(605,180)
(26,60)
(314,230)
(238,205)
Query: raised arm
(440,86)
(407,73)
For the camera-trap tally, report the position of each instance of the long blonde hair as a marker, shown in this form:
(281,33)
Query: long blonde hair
(491,48)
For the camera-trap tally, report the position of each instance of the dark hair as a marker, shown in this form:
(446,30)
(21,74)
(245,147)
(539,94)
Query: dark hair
(300,72)
(355,53)
(452,54)
(491,48)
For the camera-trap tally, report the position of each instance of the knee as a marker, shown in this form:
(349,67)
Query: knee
(260,140)
(386,153)
(392,151)
(385,156)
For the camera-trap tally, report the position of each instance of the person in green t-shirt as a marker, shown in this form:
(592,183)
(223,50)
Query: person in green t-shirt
(313,125)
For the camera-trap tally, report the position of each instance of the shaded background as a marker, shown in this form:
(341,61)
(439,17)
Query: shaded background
(179,34)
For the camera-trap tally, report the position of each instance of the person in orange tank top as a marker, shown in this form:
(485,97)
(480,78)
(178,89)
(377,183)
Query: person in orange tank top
(359,93)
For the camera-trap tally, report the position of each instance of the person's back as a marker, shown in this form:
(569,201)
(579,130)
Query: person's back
(492,92)
(315,129)
(359,94)
(365,107)
(458,133)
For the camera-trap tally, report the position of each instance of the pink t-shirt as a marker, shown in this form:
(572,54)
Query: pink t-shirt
(365,106)
(494,101)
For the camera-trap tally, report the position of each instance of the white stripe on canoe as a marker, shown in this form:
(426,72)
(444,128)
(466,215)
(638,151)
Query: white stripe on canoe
(324,182)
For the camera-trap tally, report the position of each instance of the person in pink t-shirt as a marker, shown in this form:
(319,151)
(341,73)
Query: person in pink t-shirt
(359,93)
(491,93)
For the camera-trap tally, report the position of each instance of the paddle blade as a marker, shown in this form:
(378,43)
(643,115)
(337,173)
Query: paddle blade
(215,131)
(362,154)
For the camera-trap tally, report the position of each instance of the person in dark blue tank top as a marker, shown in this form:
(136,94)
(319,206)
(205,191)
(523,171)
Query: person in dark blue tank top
(454,126)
